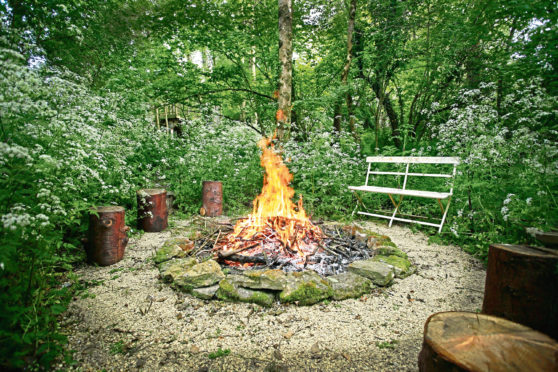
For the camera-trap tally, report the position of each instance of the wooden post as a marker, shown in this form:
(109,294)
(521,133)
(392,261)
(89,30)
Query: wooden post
(522,286)
(157,118)
(460,341)
(167,118)
(107,235)
(212,199)
(152,210)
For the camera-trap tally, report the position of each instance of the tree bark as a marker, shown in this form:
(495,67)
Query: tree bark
(212,198)
(390,112)
(286,74)
(460,341)
(344,75)
(522,286)
(107,235)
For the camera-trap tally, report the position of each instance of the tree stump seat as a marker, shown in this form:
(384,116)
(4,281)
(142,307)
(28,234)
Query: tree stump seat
(462,341)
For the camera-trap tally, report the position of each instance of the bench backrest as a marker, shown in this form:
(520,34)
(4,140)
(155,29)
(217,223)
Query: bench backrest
(408,160)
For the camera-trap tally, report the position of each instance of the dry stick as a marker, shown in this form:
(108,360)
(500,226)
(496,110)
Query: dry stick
(225,254)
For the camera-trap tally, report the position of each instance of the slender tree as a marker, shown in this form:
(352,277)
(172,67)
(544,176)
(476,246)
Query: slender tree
(286,75)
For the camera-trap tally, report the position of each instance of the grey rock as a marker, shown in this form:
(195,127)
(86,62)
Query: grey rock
(305,288)
(204,274)
(380,273)
(205,293)
(172,269)
(349,285)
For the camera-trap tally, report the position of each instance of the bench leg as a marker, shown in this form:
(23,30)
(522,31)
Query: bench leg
(396,208)
(359,200)
(445,210)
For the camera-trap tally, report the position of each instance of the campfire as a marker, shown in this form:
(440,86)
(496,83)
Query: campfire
(279,234)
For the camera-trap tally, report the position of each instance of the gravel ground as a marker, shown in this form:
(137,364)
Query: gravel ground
(128,320)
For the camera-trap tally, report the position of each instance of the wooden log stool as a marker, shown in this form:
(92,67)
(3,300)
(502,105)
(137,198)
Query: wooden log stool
(461,341)
(212,199)
(152,210)
(107,237)
(522,286)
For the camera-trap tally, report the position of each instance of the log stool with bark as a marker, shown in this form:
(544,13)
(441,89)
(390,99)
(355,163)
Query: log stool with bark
(212,199)
(107,235)
(152,210)
(522,286)
(461,341)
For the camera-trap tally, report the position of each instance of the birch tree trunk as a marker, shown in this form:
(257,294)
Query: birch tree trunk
(283,115)
(345,73)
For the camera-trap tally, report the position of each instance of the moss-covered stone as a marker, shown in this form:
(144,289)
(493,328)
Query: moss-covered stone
(401,266)
(173,248)
(349,285)
(263,279)
(228,291)
(205,293)
(379,273)
(387,250)
(172,269)
(305,288)
(203,274)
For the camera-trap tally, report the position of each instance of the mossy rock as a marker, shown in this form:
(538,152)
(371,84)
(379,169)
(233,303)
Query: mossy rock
(401,266)
(379,273)
(173,248)
(263,279)
(229,291)
(172,269)
(349,285)
(305,288)
(387,250)
(203,274)
(205,293)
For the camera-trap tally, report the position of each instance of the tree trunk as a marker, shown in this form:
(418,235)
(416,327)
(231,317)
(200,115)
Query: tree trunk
(346,68)
(152,210)
(390,112)
(459,341)
(107,235)
(212,198)
(286,59)
(522,286)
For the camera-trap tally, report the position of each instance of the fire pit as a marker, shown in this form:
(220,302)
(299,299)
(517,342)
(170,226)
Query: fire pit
(279,252)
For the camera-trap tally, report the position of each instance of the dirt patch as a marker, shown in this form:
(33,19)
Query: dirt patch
(130,320)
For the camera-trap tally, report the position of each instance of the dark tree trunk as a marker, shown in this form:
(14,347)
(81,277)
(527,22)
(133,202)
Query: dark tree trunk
(152,210)
(390,112)
(522,286)
(459,341)
(283,115)
(212,197)
(107,235)
(337,116)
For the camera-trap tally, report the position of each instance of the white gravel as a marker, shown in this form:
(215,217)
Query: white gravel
(115,328)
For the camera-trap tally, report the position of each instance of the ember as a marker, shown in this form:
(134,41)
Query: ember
(278,233)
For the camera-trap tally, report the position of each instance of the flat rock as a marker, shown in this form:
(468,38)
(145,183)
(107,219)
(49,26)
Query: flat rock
(262,279)
(204,274)
(387,250)
(172,269)
(349,285)
(401,265)
(229,291)
(380,273)
(305,288)
(205,293)
(173,248)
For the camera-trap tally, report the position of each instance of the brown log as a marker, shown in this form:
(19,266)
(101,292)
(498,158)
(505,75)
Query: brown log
(152,210)
(460,341)
(107,235)
(255,259)
(522,286)
(212,198)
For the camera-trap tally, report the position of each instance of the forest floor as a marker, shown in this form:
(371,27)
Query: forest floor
(129,320)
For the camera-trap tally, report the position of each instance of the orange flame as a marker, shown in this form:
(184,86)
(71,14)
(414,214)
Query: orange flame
(275,211)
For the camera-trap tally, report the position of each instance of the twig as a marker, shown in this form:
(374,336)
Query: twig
(225,254)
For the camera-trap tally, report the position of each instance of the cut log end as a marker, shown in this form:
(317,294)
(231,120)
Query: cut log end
(461,341)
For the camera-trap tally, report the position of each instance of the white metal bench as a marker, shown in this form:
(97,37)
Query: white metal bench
(403,191)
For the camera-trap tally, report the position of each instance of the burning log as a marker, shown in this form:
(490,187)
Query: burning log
(255,259)
(107,235)
(152,210)
(212,199)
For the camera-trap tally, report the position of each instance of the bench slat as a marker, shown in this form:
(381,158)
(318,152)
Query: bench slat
(412,174)
(413,159)
(394,191)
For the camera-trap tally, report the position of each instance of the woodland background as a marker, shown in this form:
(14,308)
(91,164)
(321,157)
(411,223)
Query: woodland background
(80,80)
